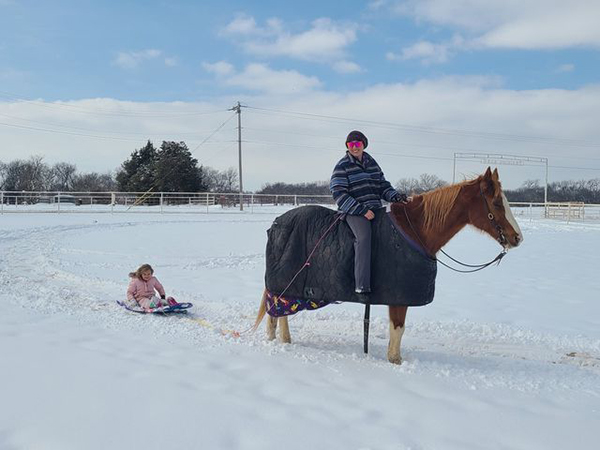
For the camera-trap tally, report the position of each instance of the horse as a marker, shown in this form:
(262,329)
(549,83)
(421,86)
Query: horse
(432,219)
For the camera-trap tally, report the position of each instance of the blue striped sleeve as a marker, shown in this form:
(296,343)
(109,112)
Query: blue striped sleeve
(339,189)
(388,193)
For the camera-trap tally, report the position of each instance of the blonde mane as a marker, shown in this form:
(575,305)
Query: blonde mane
(438,203)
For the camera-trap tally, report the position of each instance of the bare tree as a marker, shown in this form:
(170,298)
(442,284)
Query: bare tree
(429,182)
(30,175)
(62,176)
(2,175)
(407,186)
(426,182)
(222,181)
(94,182)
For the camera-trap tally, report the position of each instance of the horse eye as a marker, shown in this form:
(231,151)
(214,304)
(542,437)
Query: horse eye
(498,204)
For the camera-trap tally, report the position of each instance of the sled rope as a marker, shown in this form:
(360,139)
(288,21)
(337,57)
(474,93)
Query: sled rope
(307,262)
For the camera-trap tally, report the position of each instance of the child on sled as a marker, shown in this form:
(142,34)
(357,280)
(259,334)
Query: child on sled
(142,287)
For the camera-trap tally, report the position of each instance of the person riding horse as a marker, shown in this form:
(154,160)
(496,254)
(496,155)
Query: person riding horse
(358,186)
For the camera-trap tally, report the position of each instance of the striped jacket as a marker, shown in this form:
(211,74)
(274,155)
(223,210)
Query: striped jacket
(358,187)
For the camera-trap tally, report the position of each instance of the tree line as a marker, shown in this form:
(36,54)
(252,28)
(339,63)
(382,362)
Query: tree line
(587,191)
(531,191)
(169,168)
(172,168)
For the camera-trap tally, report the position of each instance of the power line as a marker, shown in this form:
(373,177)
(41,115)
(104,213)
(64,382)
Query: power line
(432,130)
(213,133)
(398,155)
(405,144)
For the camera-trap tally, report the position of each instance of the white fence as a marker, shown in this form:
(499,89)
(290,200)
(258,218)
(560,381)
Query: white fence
(156,202)
(569,211)
(215,203)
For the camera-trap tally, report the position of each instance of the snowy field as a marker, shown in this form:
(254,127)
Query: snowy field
(506,358)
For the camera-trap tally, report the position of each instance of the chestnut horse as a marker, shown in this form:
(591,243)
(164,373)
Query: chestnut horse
(432,219)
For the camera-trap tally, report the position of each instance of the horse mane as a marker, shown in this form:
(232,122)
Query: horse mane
(437,204)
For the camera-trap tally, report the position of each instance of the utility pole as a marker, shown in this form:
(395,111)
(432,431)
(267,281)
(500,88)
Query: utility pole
(238,109)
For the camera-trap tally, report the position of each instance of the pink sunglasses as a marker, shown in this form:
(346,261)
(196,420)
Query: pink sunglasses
(356,144)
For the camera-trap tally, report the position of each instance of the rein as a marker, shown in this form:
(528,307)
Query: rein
(475,267)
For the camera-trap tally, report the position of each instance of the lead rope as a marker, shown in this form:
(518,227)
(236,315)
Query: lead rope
(307,262)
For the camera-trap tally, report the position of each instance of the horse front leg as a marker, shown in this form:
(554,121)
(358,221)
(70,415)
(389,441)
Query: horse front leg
(397,319)
(284,330)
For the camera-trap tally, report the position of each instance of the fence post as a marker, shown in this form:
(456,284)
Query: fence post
(58,198)
(161,202)
(113,200)
(2,202)
(207,200)
(252,200)
(295,200)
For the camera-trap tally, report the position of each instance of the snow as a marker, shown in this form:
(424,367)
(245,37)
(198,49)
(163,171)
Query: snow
(506,358)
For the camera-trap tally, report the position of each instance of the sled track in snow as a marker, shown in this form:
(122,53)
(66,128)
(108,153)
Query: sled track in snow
(482,355)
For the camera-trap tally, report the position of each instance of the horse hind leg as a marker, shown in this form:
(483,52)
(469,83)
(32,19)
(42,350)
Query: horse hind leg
(271,321)
(284,330)
(397,320)
(271,327)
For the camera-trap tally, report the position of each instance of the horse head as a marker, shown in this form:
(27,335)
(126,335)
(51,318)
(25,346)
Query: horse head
(494,215)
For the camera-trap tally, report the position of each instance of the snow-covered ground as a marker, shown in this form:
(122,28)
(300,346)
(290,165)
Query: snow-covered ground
(506,358)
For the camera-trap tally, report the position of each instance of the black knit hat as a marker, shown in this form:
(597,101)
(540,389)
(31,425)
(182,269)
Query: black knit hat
(357,136)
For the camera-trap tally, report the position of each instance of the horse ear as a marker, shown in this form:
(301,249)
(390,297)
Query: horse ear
(487,184)
(495,175)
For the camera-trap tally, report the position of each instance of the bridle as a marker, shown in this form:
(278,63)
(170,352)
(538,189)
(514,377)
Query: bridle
(474,267)
(501,238)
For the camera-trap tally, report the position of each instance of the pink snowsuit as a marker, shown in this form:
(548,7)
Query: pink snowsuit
(143,291)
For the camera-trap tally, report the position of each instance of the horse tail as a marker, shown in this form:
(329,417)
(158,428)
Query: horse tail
(262,310)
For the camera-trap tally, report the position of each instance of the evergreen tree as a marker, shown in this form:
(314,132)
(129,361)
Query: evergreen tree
(137,173)
(175,170)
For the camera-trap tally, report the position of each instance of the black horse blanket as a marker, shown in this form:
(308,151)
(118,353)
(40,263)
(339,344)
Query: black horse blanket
(401,273)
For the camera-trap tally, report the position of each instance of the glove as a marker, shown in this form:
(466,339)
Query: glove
(400,198)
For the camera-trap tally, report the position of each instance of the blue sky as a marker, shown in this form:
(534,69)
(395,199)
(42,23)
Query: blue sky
(526,68)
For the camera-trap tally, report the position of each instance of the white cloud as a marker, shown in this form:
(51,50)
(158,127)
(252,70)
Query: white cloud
(376,5)
(131,60)
(520,24)
(564,68)
(221,68)
(429,114)
(429,52)
(346,67)
(242,24)
(259,77)
(170,62)
(324,41)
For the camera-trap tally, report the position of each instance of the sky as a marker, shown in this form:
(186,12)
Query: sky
(89,82)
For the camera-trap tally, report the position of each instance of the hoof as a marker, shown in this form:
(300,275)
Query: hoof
(395,360)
